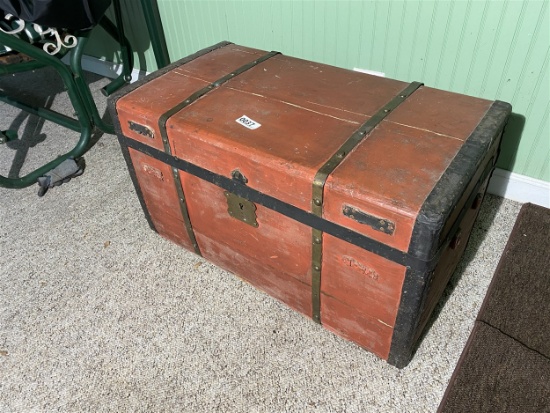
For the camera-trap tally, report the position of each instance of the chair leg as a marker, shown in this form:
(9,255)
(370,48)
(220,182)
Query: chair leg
(116,31)
(82,89)
(7,135)
(84,122)
(79,93)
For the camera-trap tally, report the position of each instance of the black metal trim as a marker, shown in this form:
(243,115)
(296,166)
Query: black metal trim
(133,177)
(295,213)
(440,203)
(434,213)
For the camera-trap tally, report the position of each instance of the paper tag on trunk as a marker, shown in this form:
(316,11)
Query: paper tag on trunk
(247,122)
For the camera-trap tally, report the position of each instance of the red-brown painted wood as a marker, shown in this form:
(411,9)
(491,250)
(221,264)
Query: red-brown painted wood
(282,285)
(441,112)
(364,281)
(279,243)
(291,139)
(145,105)
(389,175)
(159,193)
(306,111)
(363,330)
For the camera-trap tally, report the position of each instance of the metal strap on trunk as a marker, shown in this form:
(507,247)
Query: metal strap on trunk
(164,134)
(406,259)
(319,183)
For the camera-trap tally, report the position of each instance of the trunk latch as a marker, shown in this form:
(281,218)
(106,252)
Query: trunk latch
(241,209)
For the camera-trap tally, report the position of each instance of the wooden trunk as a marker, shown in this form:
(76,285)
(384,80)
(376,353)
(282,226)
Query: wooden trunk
(348,197)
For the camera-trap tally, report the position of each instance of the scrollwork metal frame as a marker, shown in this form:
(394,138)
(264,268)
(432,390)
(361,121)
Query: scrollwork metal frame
(54,41)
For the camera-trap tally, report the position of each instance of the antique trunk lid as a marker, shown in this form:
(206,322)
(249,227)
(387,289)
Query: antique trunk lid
(303,113)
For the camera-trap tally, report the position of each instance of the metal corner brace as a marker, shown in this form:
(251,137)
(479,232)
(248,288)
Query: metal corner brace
(319,185)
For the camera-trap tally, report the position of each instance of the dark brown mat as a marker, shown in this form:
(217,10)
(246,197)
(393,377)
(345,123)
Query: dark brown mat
(518,300)
(499,374)
(505,366)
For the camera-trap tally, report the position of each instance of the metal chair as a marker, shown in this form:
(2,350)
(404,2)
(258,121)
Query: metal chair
(39,53)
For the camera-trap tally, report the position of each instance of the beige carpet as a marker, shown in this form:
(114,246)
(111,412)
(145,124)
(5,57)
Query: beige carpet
(100,314)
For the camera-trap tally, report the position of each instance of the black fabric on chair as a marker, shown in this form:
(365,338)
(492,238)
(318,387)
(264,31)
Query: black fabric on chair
(66,14)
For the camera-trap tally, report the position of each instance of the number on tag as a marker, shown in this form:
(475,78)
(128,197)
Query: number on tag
(247,122)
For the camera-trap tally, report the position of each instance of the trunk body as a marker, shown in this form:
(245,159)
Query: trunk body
(348,197)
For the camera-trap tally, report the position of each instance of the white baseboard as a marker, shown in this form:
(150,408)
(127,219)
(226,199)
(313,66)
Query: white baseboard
(520,188)
(506,184)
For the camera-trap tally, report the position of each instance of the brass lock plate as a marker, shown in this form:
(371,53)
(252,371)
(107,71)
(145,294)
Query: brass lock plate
(241,209)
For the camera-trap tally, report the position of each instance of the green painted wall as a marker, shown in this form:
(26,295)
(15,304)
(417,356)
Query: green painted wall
(491,49)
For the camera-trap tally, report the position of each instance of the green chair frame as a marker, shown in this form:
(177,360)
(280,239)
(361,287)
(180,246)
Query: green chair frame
(87,116)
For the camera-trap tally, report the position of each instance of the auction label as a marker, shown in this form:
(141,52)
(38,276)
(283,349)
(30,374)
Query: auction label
(247,122)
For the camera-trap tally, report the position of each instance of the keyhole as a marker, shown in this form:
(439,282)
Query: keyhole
(241,206)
